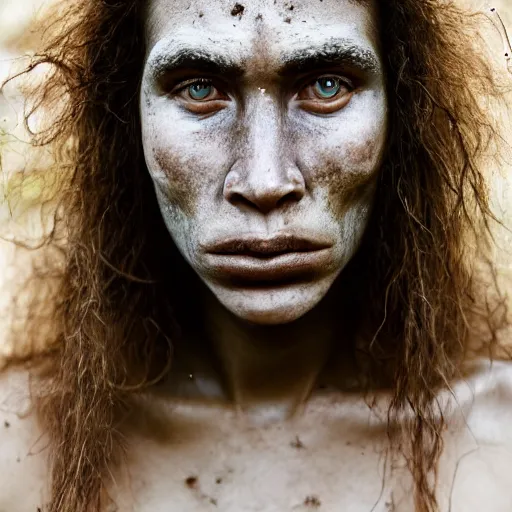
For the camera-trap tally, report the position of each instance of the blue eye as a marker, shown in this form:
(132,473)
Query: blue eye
(200,90)
(327,87)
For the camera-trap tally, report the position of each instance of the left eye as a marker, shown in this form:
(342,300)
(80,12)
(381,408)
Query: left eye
(327,87)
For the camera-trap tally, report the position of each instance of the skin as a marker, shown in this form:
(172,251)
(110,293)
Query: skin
(263,155)
(262,160)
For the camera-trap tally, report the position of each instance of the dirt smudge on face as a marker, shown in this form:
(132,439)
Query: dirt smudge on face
(182,186)
(350,180)
(238,10)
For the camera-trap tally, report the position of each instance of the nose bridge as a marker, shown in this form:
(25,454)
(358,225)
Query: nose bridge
(264,144)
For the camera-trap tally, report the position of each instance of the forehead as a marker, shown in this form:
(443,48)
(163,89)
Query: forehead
(265,28)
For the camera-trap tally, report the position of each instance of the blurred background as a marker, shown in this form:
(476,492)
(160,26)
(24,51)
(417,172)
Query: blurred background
(22,24)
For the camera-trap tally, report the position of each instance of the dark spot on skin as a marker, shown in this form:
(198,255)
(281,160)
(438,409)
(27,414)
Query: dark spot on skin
(39,509)
(218,480)
(390,505)
(259,17)
(213,501)
(18,459)
(192,482)
(297,443)
(312,501)
(201,14)
(7,424)
(238,10)
(287,20)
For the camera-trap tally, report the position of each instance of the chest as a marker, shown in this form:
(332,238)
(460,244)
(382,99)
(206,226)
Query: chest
(220,465)
(329,459)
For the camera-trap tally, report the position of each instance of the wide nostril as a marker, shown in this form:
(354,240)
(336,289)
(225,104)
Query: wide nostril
(292,197)
(263,199)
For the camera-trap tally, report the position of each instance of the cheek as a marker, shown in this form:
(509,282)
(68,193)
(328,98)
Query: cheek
(348,174)
(180,164)
(175,178)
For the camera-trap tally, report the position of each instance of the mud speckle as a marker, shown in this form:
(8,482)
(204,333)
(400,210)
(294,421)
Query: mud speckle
(287,20)
(238,10)
(297,443)
(390,505)
(312,501)
(192,482)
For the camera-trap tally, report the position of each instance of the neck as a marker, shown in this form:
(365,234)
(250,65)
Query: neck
(269,371)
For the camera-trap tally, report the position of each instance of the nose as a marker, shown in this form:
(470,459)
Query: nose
(264,177)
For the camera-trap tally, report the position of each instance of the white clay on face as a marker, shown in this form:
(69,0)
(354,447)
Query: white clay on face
(261,164)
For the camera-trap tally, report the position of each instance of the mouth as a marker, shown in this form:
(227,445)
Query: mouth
(280,258)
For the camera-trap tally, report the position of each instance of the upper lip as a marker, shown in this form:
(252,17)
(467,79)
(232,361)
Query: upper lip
(265,247)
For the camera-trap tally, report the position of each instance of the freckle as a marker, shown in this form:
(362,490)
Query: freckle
(218,480)
(7,424)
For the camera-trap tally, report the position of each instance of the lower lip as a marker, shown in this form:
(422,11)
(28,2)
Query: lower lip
(285,266)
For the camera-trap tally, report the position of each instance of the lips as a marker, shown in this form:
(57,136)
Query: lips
(282,257)
(265,248)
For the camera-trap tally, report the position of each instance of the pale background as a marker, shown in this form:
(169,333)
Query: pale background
(21,22)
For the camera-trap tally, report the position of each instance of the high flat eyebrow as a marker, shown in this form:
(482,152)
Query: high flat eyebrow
(199,60)
(344,53)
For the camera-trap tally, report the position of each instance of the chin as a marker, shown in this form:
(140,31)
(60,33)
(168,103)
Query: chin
(272,306)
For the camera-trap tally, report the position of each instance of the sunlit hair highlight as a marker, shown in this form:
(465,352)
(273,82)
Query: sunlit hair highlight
(112,309)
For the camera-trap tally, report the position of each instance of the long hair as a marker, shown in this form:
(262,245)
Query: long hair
(113,308)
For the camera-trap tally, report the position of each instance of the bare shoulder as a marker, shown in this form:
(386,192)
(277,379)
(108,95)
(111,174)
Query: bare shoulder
(22,448)
(474,473)
(488,399)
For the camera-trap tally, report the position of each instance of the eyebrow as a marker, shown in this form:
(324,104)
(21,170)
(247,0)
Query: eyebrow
(197,59)
(340,51)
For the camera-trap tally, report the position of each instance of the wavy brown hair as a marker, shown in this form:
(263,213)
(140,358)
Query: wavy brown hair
(113,317)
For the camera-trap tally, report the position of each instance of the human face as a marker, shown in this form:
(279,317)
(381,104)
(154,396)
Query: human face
(263,128)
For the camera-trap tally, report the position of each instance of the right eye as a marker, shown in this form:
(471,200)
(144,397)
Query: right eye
(201,96)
